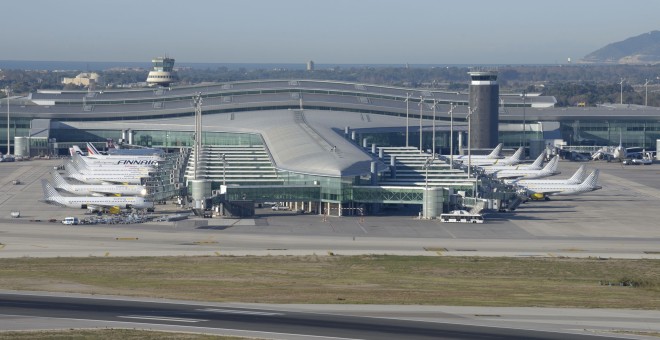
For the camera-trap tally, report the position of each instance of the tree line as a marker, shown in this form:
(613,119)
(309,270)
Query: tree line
(570,84)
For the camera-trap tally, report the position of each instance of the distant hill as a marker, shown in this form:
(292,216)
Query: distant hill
(642,49)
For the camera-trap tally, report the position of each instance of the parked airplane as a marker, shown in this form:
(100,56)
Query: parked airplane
(495,154)
(97,189)
(94,203)
(483,162)
(95,177)
(130,166)
(549,169)
(539,191)
(577,178)
(97,156)
(607,153)
(538,164)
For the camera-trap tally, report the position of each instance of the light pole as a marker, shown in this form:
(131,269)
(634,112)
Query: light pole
(8,91)
(451,135)
(646,88)
(421,107)
(469,119)
(435,103)
(524,139)
(621,84)
(407,116)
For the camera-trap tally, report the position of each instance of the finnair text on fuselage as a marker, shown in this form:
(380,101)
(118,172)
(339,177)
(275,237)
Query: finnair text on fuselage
(137,162)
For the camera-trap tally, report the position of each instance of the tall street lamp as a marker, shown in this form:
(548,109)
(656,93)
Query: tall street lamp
(8,91)
(451,135)
(435,103)
(524,139)
(469,119)
(426,166)
(407,116)
(421,107)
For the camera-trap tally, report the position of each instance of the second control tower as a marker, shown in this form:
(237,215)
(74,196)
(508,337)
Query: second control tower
(484,99)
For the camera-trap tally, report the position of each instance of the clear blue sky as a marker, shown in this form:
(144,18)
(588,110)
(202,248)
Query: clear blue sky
(326,31)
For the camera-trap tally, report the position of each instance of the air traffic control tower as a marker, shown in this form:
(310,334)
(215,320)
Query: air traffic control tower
(484,100)
(162,73)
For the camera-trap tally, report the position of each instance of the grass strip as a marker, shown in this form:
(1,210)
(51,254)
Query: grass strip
(459,281)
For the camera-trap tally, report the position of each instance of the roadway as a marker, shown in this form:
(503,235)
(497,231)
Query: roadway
(52,311)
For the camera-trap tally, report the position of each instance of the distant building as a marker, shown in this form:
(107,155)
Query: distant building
(162,73)
(83,79)
(310,65)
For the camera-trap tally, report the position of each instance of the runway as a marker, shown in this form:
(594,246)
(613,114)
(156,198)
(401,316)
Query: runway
(274,322)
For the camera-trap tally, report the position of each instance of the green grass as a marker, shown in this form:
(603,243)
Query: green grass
(107,334)
(461,281)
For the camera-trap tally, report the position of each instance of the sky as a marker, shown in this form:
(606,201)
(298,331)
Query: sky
(325,31)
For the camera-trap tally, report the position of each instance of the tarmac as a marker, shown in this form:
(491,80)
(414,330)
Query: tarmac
(614,222)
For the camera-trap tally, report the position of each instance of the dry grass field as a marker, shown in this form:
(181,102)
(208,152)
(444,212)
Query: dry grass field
(460,281)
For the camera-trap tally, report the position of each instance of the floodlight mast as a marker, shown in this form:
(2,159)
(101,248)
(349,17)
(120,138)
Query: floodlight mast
(407,116)
(435,103)
(197,102)
(421,107)
(646,88)
(621,84)
(8,91)
(451,135)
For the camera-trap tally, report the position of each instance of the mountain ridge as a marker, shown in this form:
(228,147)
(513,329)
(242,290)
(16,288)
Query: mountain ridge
(641,49)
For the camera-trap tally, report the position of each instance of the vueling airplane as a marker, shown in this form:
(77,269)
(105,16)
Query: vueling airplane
(97,189)
(503,162)
(544,190)
(537,165)
(93,203)
(550,169)
(495,154)
(577,178)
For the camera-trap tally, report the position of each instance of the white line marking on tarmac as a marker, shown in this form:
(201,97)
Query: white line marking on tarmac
(236,311)
(160,318)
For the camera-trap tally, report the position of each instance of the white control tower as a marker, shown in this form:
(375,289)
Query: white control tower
(162,73)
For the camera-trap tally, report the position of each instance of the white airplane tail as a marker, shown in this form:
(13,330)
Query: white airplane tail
(496,152)
(516,157)
(91,149)
(579,176)
(59,181)
(591,182)
(50,194)
(551,167)
(76,149)
(538,162)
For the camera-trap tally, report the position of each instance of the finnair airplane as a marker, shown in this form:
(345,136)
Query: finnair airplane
(93,203)
(549,169)
(540,190)
(97,189)
(129,166)
(577,178)
(537,165)
(495,154)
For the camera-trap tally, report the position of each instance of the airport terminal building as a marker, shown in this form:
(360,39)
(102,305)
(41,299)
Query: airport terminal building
(336,147)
